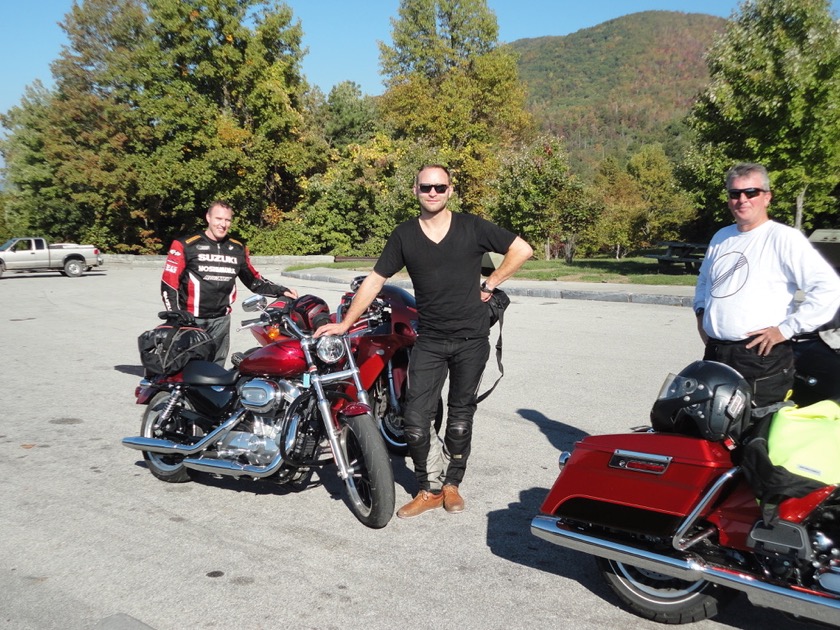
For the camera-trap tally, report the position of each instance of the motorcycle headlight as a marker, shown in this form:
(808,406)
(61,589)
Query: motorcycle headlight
(330,349)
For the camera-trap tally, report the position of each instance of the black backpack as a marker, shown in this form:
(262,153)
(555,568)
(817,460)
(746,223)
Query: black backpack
(168,348)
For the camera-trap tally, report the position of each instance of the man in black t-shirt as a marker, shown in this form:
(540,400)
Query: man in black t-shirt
(442,252)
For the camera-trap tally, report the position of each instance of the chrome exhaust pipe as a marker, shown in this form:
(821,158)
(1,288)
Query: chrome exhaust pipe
(168,447)
(234,469)
(824,608)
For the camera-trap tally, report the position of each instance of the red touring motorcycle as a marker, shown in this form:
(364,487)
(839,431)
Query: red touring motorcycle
(381,341)
(282,411)
(672,516)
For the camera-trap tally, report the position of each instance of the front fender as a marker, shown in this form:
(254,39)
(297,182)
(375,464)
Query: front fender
(356,409)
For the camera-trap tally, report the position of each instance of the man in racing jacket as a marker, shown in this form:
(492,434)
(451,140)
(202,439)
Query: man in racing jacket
(200,273)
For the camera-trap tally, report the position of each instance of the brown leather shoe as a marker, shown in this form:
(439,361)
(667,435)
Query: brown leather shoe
(423,502)
(452,501)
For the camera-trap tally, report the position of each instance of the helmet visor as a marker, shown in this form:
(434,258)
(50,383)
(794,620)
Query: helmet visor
(676,386)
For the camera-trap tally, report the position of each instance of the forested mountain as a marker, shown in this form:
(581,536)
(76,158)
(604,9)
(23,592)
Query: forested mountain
(613,87)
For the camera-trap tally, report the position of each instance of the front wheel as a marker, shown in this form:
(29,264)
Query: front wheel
(74,268)
(370,486)
(663,598)
(390,422)
(167,468)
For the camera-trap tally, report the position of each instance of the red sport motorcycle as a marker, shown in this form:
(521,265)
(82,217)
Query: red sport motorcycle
(381,342)
(282,411)
(671,515)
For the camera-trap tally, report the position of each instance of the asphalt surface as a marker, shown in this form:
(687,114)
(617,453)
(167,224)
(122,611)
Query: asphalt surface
(90,539)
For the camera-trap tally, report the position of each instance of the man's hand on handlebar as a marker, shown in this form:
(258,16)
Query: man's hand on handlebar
(331,329)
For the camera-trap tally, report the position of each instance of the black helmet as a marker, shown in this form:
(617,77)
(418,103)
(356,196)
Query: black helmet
(706,399)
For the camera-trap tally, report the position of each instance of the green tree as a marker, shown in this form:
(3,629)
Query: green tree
(450,85)
(161,106)
(539,199)
(775,85)
(642,202)
(349,117)
(617,193)
(31,191)
(665,207)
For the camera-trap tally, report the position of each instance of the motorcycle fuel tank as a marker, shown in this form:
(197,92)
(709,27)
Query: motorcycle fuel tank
(282,358)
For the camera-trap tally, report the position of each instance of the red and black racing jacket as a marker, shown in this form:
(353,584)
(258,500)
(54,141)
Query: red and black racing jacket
(199,276)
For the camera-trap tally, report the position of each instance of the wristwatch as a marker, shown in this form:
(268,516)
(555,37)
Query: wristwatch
(699,311)
(484,288)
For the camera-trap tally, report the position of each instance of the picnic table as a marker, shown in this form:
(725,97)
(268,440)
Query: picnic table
(676,253)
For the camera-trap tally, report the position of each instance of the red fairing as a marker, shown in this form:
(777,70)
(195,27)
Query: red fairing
(735,517)
(283,358)
(595,473)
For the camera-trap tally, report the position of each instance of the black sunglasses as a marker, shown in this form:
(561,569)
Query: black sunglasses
(439,188)
(751,193)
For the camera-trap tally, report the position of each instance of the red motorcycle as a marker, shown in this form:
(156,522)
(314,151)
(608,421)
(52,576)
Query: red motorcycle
(381,342)
(281,412)
(671,515)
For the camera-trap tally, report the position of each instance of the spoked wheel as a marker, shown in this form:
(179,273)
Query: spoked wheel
(165,467)
(370,486)
(663,598)
(390,422)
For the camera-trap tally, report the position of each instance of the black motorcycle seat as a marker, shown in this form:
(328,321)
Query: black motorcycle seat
(208,373)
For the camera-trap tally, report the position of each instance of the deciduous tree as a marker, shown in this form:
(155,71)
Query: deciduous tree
(452,86)
(773,98)
(538,198)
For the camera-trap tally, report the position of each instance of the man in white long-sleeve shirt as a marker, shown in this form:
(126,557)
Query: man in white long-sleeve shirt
(744,300)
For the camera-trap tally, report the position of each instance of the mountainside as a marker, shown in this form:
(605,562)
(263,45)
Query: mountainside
(626,82)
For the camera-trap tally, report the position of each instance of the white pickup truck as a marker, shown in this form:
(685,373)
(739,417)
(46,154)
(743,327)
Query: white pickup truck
(35,254)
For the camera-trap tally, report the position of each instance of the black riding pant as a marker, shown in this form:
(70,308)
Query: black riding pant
(770,377)
(431,360)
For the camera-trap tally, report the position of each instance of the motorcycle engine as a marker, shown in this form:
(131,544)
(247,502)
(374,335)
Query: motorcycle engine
(256,442)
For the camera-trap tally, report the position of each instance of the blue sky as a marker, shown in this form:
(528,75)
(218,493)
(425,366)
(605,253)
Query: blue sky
(341,35)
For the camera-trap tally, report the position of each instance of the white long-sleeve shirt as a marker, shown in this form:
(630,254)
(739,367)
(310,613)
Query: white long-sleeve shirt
(748,281)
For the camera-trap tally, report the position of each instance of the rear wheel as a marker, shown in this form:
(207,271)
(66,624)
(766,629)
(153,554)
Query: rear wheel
(74,268)
(169,468)
(663,598)
(370,486)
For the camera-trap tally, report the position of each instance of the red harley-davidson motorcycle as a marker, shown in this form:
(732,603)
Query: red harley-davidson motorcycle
(282,411)
(671,515)
(381,342)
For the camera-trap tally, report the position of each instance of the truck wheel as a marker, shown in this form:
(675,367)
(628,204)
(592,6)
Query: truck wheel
(74,268)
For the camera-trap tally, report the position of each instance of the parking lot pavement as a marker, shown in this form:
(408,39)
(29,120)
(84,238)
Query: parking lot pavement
(89,539)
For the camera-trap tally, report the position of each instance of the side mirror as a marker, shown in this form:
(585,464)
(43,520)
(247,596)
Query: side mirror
(254,303)
(356,283)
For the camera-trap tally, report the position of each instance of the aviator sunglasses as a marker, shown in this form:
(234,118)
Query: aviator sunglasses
(427,188)
(751,193)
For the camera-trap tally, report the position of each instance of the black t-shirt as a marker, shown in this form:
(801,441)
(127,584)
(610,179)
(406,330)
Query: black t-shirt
(446,275)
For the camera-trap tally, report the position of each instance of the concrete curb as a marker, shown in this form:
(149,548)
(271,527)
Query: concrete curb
(634,294)
(557,290)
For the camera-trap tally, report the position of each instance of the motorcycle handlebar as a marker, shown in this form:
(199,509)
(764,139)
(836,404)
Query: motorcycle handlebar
(250,323)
